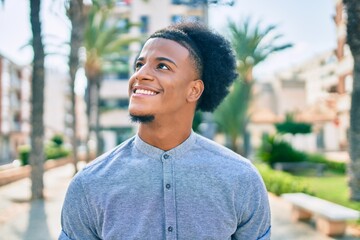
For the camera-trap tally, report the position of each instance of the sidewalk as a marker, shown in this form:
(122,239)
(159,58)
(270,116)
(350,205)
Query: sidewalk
(40,220)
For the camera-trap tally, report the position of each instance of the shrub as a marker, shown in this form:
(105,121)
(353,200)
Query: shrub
(273,150)
(290,126)
(58,140)
(293,127)
(339,167)
(53,150)
(279,182)
(24,152)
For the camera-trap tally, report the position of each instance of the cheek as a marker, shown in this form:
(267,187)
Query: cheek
(130,83)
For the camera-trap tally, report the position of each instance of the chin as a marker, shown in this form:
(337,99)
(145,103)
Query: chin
(142,118)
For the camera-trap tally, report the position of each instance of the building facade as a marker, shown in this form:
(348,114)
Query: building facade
(317,91)
(14,108)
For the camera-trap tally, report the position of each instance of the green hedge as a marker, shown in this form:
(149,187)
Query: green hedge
(339,167)
(279,182)
(293,127)
(273,150)
(24,152)
(53,150)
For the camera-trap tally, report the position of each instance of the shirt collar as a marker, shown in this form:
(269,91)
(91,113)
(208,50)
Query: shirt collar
(156,153)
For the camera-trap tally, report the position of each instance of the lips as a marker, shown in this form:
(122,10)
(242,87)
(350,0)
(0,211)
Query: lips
(144,90)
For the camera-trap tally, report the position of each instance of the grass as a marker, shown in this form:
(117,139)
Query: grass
(332,187)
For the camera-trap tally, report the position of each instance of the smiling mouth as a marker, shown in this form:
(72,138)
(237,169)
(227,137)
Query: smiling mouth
(144,92)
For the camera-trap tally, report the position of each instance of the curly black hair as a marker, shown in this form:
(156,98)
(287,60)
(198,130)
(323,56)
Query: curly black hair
(213,58)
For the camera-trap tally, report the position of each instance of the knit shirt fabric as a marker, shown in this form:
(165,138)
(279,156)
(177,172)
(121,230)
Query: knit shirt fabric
(197,190)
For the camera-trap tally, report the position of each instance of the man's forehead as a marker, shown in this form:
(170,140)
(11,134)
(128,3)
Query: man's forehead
(163,46)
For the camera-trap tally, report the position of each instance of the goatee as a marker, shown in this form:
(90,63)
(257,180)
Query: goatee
(142,119)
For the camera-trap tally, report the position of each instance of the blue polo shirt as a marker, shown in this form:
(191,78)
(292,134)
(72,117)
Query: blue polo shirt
(197,190)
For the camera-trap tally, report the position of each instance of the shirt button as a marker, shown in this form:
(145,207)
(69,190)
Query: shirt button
(166,156)
(170,229)
(168,186)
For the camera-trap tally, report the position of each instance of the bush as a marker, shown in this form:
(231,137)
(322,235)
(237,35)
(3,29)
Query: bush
(24,152)
(53,150)
(293,127)
(58,140)
(339,167)
(273,150)
(290,126)
(279,182)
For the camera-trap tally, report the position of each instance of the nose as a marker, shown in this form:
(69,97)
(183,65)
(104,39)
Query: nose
(144,73)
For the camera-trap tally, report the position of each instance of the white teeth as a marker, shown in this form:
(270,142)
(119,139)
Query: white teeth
(145,92)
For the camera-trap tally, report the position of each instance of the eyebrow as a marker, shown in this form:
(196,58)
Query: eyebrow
(159,59)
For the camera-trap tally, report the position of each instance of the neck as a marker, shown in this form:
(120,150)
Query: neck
(165,136)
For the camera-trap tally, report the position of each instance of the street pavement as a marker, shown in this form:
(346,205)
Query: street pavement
(40,220)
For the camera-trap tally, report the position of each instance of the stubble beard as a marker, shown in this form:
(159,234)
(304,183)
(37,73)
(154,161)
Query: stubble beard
(142,118)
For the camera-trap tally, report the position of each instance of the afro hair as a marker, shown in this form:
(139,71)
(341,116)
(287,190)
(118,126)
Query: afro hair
(213,57)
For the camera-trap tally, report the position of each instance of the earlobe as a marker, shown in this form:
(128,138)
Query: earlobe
(196,89)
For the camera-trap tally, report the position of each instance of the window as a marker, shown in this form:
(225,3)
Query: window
(107,104)
(179,18)
(176,18)
(144,28)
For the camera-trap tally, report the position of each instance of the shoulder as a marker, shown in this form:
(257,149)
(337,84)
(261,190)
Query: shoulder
(209,148)
(103,164)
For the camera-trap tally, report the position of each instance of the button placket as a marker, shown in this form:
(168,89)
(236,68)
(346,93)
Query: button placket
(169,196)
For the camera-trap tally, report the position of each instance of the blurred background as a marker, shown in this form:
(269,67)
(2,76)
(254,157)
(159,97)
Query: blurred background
(64,66)
(304,79)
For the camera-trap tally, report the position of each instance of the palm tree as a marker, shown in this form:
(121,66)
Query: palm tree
(37,156)
(353,40)
(104,39)
(77,13)
(252,45)
(231,114)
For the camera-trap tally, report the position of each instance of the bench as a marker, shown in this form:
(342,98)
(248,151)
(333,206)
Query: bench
(296,166)
(330,217)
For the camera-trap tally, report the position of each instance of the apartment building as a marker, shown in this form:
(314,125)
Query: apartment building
(316,91)
(14,108)
(57,104)
(309,92)
(150,15)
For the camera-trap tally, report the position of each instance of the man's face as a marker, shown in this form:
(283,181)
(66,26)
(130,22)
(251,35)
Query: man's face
(163,78)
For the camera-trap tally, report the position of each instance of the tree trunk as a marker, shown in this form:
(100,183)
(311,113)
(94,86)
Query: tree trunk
(37,156)
(93,116)
(234,143)
(99,146)
(247,95)
(354,138)
(353,40)
(77,16)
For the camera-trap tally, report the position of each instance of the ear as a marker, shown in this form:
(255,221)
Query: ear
(195,90)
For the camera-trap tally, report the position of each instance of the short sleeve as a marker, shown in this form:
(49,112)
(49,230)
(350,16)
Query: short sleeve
(254,218)
(76,221)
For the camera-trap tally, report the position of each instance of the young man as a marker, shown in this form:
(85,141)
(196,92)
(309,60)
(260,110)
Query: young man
(167,182)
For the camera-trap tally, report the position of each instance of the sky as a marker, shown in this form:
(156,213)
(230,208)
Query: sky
(307,24)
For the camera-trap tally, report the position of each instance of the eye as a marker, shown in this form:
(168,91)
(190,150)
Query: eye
(138,65)
(163,66)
